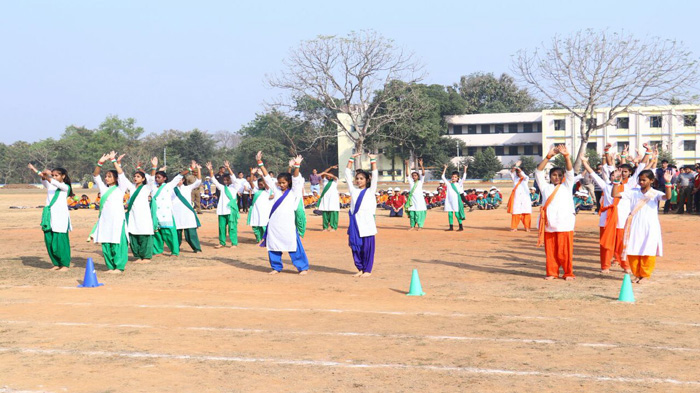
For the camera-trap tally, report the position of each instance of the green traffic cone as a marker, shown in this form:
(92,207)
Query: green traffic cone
(416,289)
(626,294)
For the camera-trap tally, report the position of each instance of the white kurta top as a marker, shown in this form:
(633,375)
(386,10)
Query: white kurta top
(140,221)
(260,211)
(607,201)
(561,213)
(417,200)
(281,228)
(365,215)
(184,218)
(164,202)
(60,219)
(223,209)
(645,229)
(623,207)
(521,203)
(453,200)
(331,200)
(112,217)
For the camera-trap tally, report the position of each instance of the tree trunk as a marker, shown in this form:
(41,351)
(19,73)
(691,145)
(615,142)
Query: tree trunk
(585,133)
(359,146)
(393,165)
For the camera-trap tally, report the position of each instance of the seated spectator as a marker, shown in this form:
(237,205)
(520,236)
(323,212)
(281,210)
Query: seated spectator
(471,199)
(583,201)
(84,202)
(97,201)
(73,202)
(493,199)
(396,202)
(534,197)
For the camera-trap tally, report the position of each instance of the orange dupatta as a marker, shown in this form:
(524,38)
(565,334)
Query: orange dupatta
(543,216)
(607,238)
(511,200)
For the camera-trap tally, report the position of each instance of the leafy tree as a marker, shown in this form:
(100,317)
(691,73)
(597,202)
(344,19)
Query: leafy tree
(484,93)
(665,154)
(593,157)
(528,164)
(275,154)
(485,164)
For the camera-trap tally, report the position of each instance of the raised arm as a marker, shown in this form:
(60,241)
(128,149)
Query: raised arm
(375,173)
(616,176)
(258,158)
(98,167)
(216,183)
(591,172)
(444,170)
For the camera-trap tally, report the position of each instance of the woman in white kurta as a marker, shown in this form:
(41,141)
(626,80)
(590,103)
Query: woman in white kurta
(453,197)
(186,219)
(329,201)
(259,212)
(557,215)
(281,234)
(363,207)
(415,202)
(110,230)
(139,220)
(162,202)
(227,212)
(642,240)
(55,220)
(519,204)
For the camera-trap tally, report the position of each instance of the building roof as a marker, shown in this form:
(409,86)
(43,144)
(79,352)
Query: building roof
(495,118)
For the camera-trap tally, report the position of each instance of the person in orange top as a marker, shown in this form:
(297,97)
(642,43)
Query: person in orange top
(72,202)
(557,216)
(84,202)
(519,205)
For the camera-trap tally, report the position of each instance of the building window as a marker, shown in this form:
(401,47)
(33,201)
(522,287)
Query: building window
(513,128)
(527,127)
(457,130)
(528,150)
(499,150)
(623,123)
(560,125)
(537,127)
(512,150)
(381,151)
(655,121)
(499,128)
(471,129)
(689,145)
(592,146)
(485,128)
(689,120)
(591,122)
(621,146)
(471,151)
(398,172)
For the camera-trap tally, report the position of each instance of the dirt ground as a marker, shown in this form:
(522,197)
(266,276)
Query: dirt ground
(217,322)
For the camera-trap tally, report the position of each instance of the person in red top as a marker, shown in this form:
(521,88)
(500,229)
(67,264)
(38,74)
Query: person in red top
(396,203)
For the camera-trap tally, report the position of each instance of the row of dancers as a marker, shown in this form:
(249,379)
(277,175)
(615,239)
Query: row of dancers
(158,214)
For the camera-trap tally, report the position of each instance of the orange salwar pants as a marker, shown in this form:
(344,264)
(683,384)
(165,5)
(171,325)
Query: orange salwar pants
(642,265)
(559,250)
(515,219)
(606,254)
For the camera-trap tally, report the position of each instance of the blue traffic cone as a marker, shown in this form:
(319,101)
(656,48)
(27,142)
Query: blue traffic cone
(626,293)
(90,279)
(416,289)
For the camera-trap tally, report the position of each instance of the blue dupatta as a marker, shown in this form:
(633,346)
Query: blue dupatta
(354,239)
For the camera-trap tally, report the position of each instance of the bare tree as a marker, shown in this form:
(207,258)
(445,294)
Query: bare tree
(347,76)
(592,69)
(226,139)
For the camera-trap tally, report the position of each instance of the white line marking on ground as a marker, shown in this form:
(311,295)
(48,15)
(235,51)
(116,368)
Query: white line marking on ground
(356,334)
(326,363)
(340,311)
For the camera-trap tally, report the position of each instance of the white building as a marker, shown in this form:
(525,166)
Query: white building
(511,135)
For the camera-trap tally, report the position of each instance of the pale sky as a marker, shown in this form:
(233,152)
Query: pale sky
(202,64)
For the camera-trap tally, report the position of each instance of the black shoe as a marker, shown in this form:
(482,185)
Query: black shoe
(461,228)
(452,228)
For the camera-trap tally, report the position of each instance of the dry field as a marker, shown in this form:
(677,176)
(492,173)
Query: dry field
(216,322)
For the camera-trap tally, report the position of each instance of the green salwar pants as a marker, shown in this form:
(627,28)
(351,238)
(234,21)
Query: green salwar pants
(141,246)
(300,219)
(116,254)
(449,217)
(259,232)
(417,218)
(58,246)
(167,236)
(232,230)
(191,238)
(330,219)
